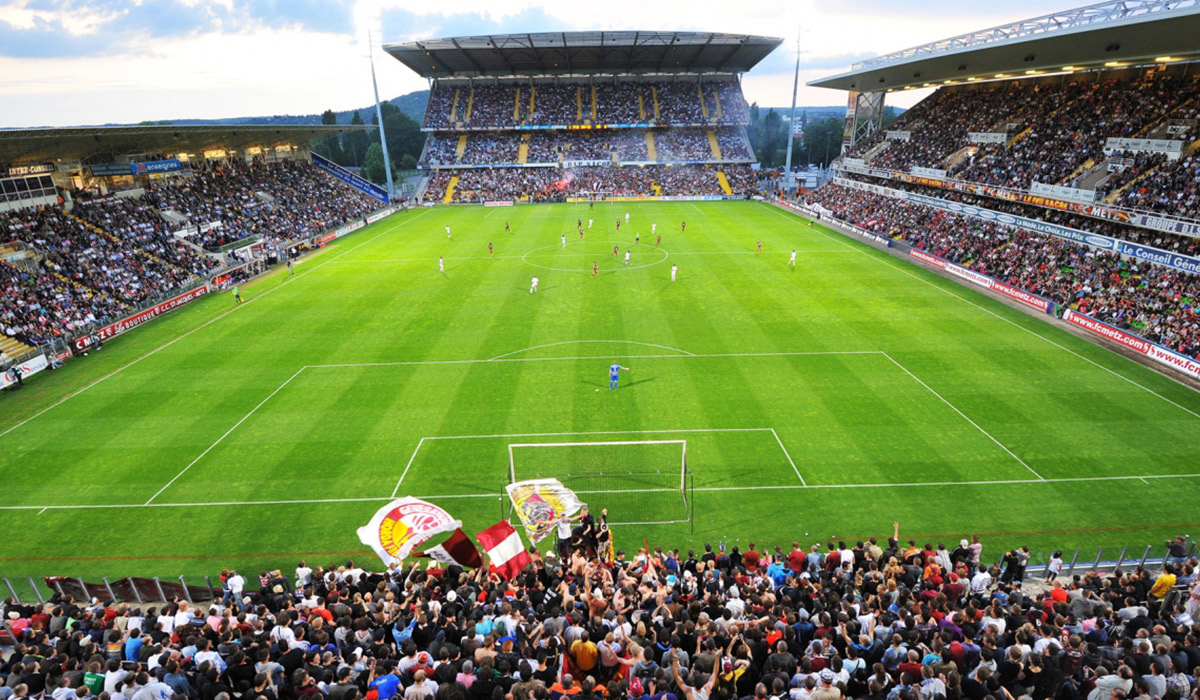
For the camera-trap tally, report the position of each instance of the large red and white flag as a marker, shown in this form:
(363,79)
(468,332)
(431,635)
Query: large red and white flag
(506,554)
(457,549)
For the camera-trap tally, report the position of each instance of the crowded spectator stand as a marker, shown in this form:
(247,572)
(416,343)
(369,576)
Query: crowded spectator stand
(880,617)
(527,133)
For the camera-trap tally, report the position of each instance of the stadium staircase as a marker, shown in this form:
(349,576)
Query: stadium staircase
(14,348)
(875,150)
(579,104)
(517,105)
(594,112)
(532,96)
(703,102)
(713,145)
(449,196)
(470,104)
(716,103)
(454,105)
(461,147)
(523,149)
(641,106)
(654,94)
(724,181)
(651,151)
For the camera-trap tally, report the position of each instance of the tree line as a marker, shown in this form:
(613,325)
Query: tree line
(361,149)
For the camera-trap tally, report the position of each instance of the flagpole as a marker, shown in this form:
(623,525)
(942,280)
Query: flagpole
(387,162)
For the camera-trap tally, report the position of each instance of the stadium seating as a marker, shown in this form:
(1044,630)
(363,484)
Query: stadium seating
(874,618)
(111,255)
(555,184)
(1055,130)
(1149,300)
(565,104)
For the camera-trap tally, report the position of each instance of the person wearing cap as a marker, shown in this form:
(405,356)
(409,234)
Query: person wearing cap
(826,690)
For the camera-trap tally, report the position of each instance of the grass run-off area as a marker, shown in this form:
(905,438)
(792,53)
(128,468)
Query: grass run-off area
(827,400)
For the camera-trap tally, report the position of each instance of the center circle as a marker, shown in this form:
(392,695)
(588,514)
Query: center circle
(594,251)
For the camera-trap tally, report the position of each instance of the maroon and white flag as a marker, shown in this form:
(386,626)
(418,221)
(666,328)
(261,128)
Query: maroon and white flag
(506,554)
(457,549)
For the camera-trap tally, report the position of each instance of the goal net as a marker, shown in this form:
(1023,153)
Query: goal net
(640,482)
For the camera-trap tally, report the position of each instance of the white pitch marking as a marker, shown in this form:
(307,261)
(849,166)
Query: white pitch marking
(886,260)
(227,432)
(789,457)
(964,416)
(406,467)
(577,342)
(376,499)
(403,363)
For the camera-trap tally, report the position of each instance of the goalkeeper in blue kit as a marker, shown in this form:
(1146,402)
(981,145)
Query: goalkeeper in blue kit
(614,374)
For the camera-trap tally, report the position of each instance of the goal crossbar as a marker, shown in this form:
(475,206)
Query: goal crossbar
(512,474)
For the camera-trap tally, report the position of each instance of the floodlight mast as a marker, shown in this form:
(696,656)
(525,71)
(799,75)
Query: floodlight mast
(387,162)
(788,178)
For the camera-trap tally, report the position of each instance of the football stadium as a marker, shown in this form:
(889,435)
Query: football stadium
(591,402)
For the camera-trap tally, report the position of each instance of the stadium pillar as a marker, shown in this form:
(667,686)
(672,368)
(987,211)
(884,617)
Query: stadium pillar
(864,117)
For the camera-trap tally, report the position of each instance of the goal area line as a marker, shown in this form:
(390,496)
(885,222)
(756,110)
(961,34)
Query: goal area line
(593,463)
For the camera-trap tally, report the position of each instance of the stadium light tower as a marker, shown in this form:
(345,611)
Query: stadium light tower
(387,161)
(789,178)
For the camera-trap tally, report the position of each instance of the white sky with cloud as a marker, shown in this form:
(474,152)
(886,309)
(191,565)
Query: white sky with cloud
(68,62)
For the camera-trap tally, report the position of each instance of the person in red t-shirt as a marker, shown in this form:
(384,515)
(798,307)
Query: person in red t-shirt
(795,559)
(750,558)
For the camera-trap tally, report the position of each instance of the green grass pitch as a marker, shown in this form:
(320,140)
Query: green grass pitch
(833,399)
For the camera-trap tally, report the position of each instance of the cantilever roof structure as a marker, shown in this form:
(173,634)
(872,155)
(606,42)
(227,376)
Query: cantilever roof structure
(85,142)
(581,53)
(1107,34)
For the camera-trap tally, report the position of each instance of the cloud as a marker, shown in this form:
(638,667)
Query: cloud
(404,25)
(53,28)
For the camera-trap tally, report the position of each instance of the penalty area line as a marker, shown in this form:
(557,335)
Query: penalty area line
(377,499)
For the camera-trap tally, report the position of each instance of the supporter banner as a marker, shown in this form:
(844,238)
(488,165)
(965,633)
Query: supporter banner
(986,137)
(855,161)
(1167,146)
(540,503)
(1167,224)
(131,322)
(1161,355)
(350,178)
(499,203)
(984,281)
(928,172)
(27,368)
(109,169)
(586,163)
(150,167)
(898,135)
(1063,192)
(403,524)
(39,169)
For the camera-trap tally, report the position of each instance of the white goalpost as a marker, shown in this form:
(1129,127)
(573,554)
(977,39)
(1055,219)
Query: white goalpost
(641,482)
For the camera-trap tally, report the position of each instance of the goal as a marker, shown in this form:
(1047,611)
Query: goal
(640,482)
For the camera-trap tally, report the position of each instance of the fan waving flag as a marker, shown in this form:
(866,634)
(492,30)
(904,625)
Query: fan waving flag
(506,554)
(455,550)
(539,504)
(403,524)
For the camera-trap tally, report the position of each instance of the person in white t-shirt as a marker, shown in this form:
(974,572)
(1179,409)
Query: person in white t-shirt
(303,574)
(792,260)
(533,285)
(674,271)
